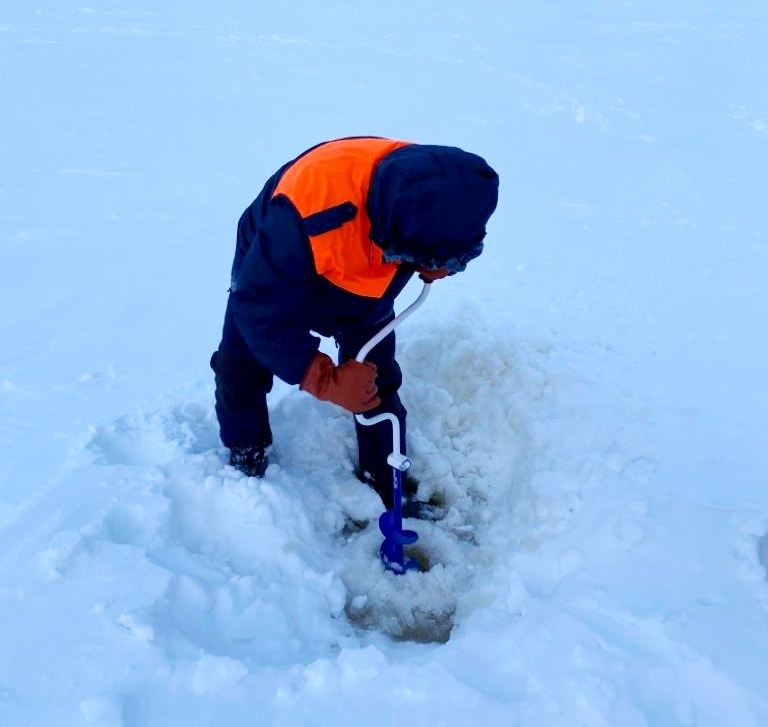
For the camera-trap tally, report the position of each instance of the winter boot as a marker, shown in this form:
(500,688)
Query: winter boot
(382,485)
(412,507)
(251,461)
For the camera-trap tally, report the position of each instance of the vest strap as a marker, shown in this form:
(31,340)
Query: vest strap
(329,219)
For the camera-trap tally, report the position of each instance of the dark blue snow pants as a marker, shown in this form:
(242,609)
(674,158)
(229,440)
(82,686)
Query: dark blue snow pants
(242,385)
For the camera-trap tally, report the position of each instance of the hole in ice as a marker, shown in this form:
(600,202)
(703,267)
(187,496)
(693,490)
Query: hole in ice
(403,621)
(419,605)
(420,555)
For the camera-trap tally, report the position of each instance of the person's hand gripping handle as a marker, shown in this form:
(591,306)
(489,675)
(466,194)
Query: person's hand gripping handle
(352,385)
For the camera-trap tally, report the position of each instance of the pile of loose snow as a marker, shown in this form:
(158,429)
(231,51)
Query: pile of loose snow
(162,583)
(243,557)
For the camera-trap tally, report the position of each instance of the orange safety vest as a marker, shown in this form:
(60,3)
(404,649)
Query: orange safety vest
(333,175)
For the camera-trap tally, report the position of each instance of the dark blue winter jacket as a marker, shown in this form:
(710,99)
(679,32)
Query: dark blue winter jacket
(427,205)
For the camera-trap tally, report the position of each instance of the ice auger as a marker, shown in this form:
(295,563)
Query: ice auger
(391,521)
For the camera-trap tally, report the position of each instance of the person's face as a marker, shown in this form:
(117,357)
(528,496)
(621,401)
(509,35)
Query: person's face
(432,273)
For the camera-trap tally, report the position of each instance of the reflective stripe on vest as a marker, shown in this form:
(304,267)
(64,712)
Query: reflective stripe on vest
(328,186)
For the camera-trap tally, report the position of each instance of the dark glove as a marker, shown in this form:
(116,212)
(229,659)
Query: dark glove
(352,385)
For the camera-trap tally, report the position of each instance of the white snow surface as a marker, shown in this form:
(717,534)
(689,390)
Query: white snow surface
(589,397)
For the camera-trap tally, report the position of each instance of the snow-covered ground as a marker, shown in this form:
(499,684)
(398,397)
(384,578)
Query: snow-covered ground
(589,397)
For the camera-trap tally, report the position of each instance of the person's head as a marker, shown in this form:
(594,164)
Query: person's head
(429,206)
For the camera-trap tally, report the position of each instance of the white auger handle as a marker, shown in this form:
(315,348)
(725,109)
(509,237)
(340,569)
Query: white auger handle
(396,321)
(396,459)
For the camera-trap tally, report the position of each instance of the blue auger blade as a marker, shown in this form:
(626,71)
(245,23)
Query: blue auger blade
(394,561)
(391,526)
(395,538)
(392,529)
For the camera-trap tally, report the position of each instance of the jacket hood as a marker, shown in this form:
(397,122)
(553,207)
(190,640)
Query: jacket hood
(429,205)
